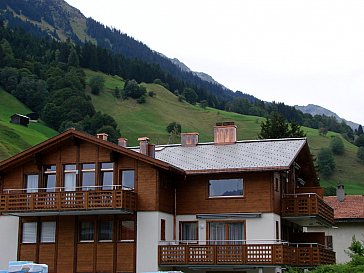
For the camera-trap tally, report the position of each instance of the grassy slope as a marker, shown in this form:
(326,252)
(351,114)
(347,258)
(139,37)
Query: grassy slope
(15,138)
(150,119)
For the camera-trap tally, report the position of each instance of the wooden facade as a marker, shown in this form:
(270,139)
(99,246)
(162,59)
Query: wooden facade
(86,214)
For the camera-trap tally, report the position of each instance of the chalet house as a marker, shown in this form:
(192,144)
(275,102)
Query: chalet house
(87,205)
(19,119)
(349,222)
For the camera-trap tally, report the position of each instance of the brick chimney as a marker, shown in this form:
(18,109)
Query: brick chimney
(340,193)
(123,142)
(145,147)
(225,133)
(189,139)
(102,136)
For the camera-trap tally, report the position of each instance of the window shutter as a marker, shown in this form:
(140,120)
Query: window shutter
(29,232)
(48,232)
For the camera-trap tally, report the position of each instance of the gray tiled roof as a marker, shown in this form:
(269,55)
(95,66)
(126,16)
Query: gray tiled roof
(243,155)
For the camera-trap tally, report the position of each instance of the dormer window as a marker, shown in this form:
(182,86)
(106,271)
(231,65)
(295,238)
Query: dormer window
(226,187)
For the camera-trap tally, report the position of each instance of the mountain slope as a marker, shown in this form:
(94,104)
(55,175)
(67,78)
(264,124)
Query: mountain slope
(15,138)
(150,119)
(313,110)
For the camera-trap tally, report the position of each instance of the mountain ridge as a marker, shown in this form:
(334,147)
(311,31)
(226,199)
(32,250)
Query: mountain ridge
(314,109)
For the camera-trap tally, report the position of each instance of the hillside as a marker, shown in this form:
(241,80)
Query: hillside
(15,138)
(150,119)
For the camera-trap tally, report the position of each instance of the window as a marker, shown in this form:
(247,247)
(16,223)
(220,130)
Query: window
(87,231)
(127,232)
(105,231)
(163,229)
(48,232)
(29,235)
(50,178)
(226,232)
(188,231)
(226,187)
(32,182)
(70,175)
(127,179)
(107,175)
(88,176)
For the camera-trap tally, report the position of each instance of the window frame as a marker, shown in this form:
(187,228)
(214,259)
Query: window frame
(46,173)
(54,233)
(106,170)
(226,196)
(88,170)
(120,230)
(181,239)
(122,180)
(35,235)
(98,228)
(26,182)
(94,223)
(243,222)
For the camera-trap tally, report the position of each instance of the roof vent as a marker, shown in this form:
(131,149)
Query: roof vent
(189,139)
(340,193)
(225,133)
(102,136)
(123,142)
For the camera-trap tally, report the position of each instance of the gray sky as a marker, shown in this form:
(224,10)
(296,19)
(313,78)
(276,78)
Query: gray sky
(291,51)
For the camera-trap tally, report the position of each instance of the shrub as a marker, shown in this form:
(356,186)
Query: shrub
(337,145)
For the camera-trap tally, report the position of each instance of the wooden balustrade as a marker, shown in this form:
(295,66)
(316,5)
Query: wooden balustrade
(310,204)
(67,200)
(245,254)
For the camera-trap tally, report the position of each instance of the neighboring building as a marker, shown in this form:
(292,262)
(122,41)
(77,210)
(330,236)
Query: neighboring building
(8,240)
(19,119)
(349,222)
(87,205)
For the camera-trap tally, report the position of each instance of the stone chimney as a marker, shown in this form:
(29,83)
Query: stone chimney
(102,136)
(340,193)
(145,147)
(225,133)
(123,142)
(189,139)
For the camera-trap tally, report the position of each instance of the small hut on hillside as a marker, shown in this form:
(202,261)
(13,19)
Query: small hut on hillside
(19,119)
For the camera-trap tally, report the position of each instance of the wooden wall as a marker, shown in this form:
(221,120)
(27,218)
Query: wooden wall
(193,197)
(69,255)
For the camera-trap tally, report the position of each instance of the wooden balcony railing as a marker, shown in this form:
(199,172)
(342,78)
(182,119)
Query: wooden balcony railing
(307,204)
(245,254)
(67,200)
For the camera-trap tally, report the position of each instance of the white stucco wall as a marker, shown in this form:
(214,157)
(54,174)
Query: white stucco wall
(148,237)
(8,240)
(342,235)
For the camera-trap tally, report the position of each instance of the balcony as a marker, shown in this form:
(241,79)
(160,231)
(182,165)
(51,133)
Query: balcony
(245,254)
(307,209)
(17,202)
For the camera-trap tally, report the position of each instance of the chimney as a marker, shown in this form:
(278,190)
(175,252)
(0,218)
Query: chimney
(340,193)
(102,136)
(189,139)
(123,142)
(146,148)
(225,133)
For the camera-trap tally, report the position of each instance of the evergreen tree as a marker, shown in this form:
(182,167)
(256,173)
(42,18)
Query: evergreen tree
(360,154)
(326,162)
(360,130)
(73,59)
(97,84)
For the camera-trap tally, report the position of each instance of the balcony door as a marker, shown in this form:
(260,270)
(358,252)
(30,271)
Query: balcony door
(32,181)
(222,233)
(70,177)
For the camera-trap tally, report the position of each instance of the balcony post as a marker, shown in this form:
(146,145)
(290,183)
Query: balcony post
(113,201)
(85,199)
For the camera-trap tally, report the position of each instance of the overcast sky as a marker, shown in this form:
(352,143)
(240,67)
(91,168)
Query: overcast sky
(291,51)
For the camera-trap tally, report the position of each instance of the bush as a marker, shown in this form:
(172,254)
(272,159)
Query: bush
(337,145)
(174,127)
(151,94)
(133,90)
(141,99)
